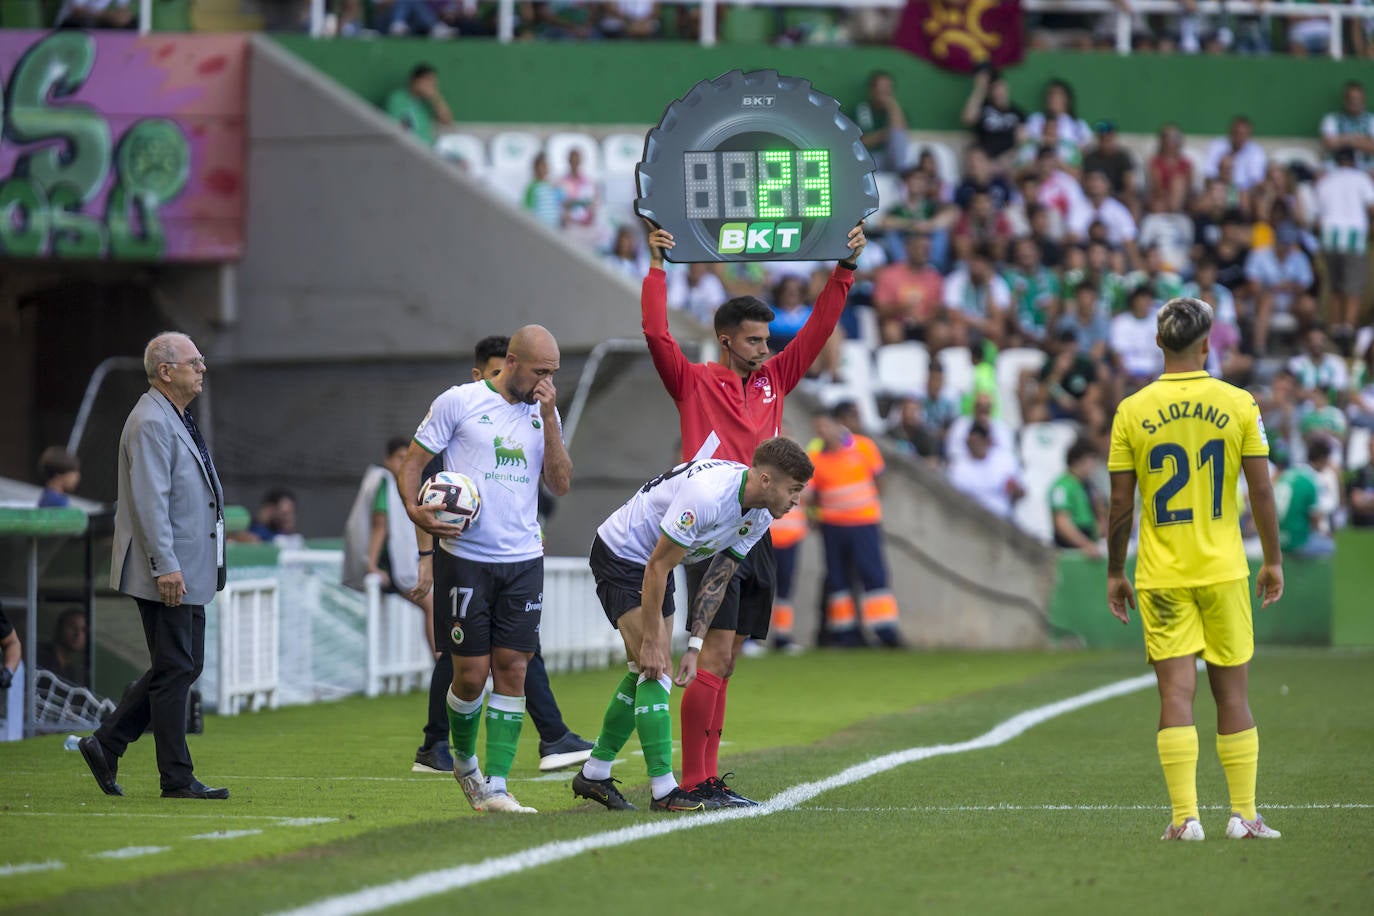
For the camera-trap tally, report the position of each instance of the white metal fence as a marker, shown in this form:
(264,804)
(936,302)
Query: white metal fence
(293,634)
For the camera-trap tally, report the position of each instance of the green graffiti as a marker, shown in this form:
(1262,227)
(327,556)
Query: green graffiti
(49,204)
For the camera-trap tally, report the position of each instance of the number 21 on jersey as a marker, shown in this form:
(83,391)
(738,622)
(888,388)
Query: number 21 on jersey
(1174,459)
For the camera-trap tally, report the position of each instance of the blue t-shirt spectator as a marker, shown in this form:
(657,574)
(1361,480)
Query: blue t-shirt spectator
(53,499)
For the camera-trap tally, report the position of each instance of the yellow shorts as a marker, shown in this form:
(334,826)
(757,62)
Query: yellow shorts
(1212,619)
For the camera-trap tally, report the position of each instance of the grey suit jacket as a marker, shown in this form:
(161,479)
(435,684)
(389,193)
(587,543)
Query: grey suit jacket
(167,508)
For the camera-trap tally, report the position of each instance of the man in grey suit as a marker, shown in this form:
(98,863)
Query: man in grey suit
(169,557)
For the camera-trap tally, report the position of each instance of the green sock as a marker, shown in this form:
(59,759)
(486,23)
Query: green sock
(464,718)
(619,722)
(505,716)
(655,725)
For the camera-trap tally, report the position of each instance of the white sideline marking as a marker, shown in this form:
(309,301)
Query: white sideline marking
(281,821)
(129,852)
(225,835)
(28,868)
(432,883)
(942,809)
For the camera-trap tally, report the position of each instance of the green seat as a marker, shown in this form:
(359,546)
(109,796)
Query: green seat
(172,16)
(746,25)
(22,14)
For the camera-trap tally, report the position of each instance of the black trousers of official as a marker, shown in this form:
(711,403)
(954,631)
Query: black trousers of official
(176,643)
(539,702)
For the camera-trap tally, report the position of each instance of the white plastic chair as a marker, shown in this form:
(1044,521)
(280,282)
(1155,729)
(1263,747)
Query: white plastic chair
(889,190)
(559,145)
(903,368)
(464,148)
(512,158)
(958,365)
(1010,364)
(1357,448)
(620,153)
(867,320)
(1042,448)
(946,161)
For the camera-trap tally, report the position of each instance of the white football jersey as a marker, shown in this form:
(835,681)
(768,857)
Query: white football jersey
(501,447)
(696,505)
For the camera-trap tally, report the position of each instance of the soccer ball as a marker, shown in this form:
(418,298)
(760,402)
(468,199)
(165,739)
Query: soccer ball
(457,494)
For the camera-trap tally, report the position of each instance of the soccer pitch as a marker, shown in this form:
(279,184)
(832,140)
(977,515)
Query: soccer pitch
(1021,806)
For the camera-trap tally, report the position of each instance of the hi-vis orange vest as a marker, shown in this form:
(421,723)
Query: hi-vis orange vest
(845,485)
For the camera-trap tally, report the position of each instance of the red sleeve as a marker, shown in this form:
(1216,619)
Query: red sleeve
(672,366)
(789,366)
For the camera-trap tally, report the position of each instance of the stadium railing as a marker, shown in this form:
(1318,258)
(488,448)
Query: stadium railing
(1337,14)
(249,640)
(398,657)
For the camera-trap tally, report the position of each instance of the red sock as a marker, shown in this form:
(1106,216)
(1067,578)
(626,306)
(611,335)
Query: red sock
(717,726)
(698,709)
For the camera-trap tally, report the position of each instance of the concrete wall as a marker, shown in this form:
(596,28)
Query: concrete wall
(363,244)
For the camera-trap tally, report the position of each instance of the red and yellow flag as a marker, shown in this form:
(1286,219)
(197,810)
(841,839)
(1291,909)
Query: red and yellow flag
(962,34)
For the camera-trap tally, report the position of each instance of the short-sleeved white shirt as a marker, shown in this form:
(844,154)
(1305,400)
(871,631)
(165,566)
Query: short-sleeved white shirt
(696,505)
(1344,196)
(1133,340)
(501,447)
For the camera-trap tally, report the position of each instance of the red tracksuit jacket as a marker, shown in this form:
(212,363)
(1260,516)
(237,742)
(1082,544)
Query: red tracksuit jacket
(722,415)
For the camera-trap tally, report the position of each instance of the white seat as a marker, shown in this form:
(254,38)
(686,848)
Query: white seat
(1010,364)
(946,161)
(867,320)
(1304,154)
(889,190)
(835,392)
(465,149)
(512,161)
(1357,448)
(620,153)
(1042,448)
(559,145)
(958,365)
(902,368)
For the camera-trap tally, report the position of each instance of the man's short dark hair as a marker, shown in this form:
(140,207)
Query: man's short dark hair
(1319,449)
(786,456)
(493,347)
(395,444)
(276,495)
(420,71)
(1080,449)
(842,408)
(56,461)
(740,309)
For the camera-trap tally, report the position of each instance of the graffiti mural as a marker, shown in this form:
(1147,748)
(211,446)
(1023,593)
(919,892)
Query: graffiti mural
(122,147)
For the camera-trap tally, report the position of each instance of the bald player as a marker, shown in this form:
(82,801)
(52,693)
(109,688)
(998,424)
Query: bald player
(489,580)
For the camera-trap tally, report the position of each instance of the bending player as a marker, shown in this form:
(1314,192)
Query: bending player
(490,579)
(725,409)
(1184,439)
(700,510)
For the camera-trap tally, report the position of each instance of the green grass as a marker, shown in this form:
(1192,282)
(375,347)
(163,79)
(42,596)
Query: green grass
(901,840)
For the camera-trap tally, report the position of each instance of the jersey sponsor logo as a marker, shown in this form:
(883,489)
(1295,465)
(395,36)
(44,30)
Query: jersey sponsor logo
(484,419)
(535,605)
(765,385)
(687,519)
(509,452)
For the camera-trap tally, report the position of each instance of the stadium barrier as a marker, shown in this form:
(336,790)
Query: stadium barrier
(398,656)
(248,645)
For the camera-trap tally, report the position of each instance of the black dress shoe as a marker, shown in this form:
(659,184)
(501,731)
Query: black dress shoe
(93,752)
(196,789)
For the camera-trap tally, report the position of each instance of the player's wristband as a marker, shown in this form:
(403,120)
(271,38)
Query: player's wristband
(694,642)
(427,553)
(850,265)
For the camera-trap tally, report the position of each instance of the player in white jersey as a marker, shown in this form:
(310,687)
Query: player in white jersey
(697,511)
(502,433)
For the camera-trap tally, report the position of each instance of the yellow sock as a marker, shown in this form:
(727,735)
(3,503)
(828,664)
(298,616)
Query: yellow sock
(1239,755)
(1178,756)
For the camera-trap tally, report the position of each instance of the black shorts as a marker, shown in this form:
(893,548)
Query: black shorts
(747,607)
(480,605)
(620,584)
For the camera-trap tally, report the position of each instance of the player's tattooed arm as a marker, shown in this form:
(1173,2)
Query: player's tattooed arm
(711,593)
(1120,515)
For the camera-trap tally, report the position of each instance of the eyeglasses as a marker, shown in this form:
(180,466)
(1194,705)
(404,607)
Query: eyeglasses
(197,363)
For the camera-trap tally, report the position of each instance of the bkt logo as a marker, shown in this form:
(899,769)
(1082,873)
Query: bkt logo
(758,101)
(759,238)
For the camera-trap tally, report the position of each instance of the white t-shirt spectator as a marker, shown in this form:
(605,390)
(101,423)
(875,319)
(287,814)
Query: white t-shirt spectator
(956,439)
(1328,372)
(702,300)
(1341,124)
(1071,130)
(1133,340)
(1344,196)
(961,295)
(988,480)
(1061,192)
(634,268)
(1247,166)
(1264,268)
(1172,234)
(1112,213)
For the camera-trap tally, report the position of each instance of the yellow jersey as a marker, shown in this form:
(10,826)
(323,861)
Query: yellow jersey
(1184,435)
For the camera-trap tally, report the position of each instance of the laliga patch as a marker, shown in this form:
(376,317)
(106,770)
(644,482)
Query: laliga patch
(456,634)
